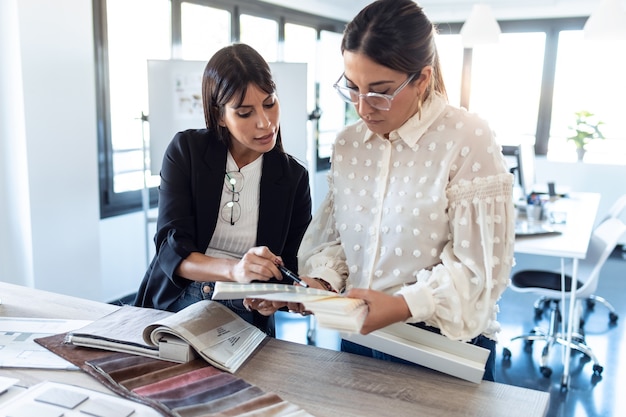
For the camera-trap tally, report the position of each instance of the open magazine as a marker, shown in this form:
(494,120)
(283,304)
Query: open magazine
(331,310)
(206,328)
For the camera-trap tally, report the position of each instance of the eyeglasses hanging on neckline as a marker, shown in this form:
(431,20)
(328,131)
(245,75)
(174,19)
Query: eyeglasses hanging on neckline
(231,212)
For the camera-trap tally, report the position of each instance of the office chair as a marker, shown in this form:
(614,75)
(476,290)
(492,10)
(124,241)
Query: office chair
(543,302)
(614,212)
(548,284)
(617,208)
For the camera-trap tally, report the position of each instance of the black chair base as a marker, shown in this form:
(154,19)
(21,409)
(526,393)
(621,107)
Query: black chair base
(542,303)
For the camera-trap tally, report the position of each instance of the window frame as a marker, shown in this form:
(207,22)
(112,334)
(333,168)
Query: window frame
(551,27)
(111,203)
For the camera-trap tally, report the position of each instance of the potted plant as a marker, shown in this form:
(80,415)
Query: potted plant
(587,128)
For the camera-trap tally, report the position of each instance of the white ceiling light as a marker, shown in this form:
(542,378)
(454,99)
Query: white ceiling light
(480,28)
(607,22)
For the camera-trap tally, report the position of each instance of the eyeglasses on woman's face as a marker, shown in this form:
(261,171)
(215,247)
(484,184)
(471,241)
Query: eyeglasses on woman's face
(375,100)
(231,212)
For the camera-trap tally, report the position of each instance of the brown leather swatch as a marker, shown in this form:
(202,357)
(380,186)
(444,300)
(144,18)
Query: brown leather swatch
(220,404)
(168,382)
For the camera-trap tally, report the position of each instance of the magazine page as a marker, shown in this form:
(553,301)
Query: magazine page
(120,331)
(233,352)
(214,331)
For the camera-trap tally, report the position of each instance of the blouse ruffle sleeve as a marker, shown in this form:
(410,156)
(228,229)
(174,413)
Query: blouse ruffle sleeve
(459,296)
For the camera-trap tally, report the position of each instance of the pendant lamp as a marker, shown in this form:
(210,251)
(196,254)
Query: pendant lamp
(481,27)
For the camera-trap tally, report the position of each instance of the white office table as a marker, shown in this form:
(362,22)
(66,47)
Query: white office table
(580,210)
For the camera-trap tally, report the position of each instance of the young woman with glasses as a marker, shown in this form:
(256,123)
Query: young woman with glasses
(232,204)
(419,218)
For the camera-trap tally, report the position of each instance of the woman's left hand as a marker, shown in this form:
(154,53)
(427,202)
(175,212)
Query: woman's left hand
(267,308)
(384,309)
(264,307)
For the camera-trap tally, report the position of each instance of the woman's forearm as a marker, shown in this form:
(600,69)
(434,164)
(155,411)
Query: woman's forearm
(200,267)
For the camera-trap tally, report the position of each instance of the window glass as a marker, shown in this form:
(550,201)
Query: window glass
(506,84)
(300,44)
(140,30)
(137,31)
(450,51)
(333,109)
(204,30)
(261,34)
(590,77)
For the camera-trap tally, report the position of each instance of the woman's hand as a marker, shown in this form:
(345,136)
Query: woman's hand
(258,264)
(267,307)
(264,307)
(298,307)
(384,309)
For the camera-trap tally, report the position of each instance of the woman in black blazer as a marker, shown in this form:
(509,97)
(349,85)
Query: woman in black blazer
(232,203)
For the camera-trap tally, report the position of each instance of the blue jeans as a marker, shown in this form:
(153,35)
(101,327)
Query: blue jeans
(197,291)
(482,341)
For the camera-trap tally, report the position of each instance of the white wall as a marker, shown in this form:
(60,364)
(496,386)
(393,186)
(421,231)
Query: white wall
(15,234)
(57,68)
(59,102)
(123,254)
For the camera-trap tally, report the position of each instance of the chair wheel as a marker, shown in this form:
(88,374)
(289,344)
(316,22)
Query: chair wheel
(546,371)
(590,304)
(613,317)
(597,369)
(506,354)
(538,313)
(528,346)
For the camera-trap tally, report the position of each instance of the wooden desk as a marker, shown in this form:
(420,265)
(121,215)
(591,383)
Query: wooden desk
(321,381)
(581,210)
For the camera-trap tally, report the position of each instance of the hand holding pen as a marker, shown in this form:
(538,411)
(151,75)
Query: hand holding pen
(291,275)
(323,285)
(269,307)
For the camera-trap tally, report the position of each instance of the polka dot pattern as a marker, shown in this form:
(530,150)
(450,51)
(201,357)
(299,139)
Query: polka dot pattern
(414,209)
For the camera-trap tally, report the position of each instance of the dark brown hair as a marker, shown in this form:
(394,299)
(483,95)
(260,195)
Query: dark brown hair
(226,78)
(398,35)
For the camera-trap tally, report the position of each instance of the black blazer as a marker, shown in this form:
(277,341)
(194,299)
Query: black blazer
(192,177)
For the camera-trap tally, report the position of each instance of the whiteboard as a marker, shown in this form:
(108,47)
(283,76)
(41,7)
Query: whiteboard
(175,104)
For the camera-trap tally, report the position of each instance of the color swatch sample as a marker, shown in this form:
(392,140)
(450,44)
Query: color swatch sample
(189,390)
